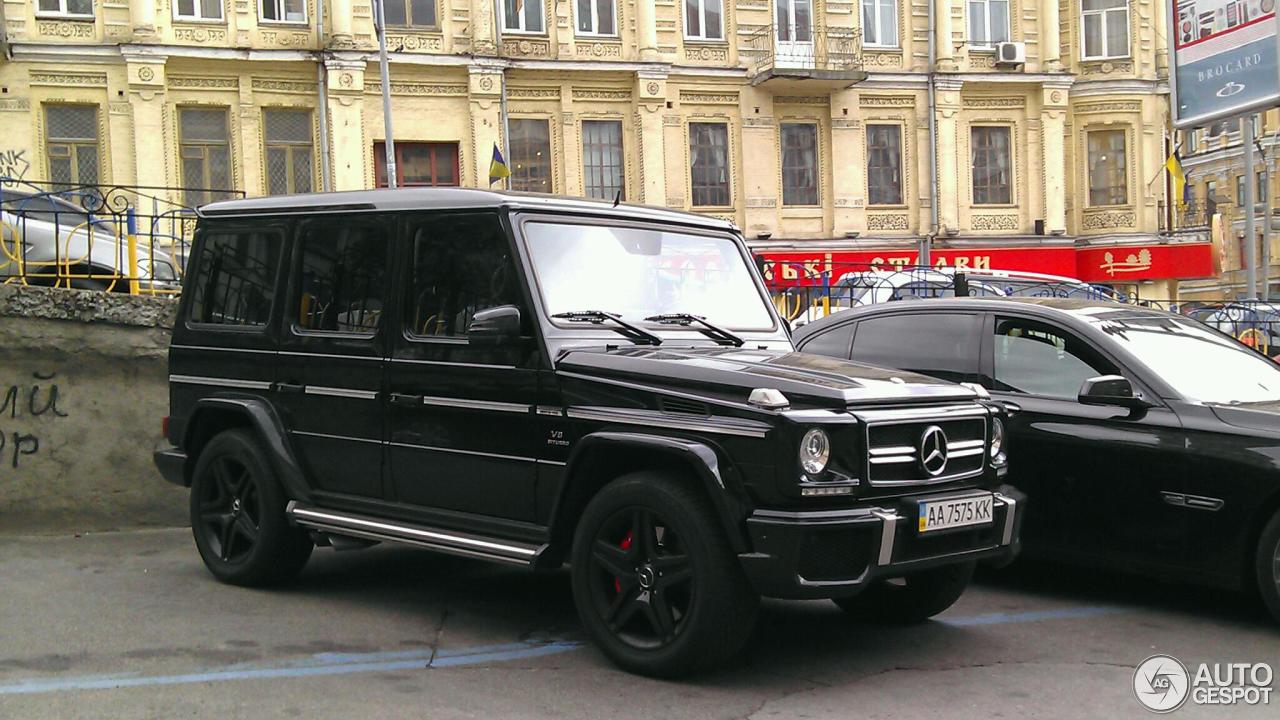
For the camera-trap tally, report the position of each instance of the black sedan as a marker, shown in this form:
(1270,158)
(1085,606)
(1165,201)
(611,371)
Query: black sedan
(1146,441)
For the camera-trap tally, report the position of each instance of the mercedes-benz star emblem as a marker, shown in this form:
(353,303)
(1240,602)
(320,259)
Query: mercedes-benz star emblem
(933,450)
(1231,88)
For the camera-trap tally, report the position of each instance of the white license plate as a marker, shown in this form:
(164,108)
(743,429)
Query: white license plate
(956,512)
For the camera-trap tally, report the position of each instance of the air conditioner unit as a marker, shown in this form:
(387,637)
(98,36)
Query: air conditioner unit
(1011,54)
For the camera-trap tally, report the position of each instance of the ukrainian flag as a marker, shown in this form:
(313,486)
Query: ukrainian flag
(1181,191)
(498,169)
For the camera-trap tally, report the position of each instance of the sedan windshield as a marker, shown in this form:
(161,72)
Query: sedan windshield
(638,273)
(1198,362)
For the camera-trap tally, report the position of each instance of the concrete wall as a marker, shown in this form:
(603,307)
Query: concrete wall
(83,388)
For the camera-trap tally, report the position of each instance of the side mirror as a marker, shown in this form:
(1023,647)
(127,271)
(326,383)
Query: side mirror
(1110,390)
(495,326)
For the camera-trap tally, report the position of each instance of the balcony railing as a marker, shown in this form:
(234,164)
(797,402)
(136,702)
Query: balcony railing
(830,54)
(1195,215)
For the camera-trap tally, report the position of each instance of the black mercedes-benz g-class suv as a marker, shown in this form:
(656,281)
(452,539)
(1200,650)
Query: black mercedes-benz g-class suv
(540,381)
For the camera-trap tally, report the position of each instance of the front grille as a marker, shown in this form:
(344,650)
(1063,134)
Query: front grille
(894,446)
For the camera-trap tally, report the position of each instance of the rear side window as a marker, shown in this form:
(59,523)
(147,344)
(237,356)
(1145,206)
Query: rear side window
(342,283)
(236,278)
(833,342)
(944,345)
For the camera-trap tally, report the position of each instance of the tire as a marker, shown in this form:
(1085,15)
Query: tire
(237,515)
(648,536)
(1268,566)
(916,598)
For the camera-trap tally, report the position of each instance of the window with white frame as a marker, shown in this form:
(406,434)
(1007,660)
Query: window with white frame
(704,19)
(66,8)
(880,23)
(1108,174)
(292,11)
(1105,26)
(522,16)
(197,9)
(988,22)
(597,17)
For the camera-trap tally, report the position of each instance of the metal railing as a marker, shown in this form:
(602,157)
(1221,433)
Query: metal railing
(115,238)
(1194,215)
(830,50)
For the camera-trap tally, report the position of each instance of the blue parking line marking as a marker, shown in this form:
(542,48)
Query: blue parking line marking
(1030,616)
(312,666)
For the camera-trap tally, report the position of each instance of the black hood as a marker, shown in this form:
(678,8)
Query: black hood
(1263,416)
(732,373)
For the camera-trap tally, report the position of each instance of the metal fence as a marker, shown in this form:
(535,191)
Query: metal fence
(827,50)
(133,239)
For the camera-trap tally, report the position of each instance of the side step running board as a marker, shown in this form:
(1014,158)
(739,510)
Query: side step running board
(445,541)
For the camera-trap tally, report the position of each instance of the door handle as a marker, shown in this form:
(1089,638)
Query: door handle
(406,400)
(293,388)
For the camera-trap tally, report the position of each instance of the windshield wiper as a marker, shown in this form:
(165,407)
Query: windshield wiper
(595,317)
(715,332)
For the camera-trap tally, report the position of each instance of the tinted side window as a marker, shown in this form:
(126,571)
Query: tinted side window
(943,345)
(461,264)
(1040,359)
(236,277)
(833,342)
(342,283)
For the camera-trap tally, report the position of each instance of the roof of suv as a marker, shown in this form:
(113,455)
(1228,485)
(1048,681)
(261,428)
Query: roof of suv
(435,198)
(1080,309)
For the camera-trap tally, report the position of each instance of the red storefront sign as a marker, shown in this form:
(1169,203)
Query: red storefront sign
(1103,265)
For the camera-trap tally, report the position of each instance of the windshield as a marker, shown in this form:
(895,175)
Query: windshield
(1198,362)
(638,273)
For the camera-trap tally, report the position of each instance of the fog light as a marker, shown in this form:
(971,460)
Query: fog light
(816,491)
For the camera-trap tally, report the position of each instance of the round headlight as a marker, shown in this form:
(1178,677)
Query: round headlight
(997,438)
(815,451)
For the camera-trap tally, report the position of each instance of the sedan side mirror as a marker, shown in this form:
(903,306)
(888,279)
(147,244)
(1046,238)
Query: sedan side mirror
(495,326)
(1110,390)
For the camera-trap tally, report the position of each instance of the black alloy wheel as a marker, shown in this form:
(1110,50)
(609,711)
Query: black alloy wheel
(237,514)
(1268,566)
(655,580)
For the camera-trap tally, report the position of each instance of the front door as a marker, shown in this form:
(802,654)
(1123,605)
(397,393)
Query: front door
(1093,475)
(461,423)
(332,352)
(794,22)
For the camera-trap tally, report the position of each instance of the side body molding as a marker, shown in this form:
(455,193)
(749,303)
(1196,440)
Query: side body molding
(583,478)
(267,426)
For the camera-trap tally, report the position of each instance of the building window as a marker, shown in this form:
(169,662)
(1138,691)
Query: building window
(880,23)
(704,19)
(884,164)
(72,143)
(1240,191)
(197,9)
(795,20)
(1108,175)
(988,21)
(291,11)
(65,8)
(799,164)
(1260,187)
(522,16)
(597,17)
(1106,28)
(205,153)
(602,165)
(419,164)
(290,164)
(1211,197)
(530,155)
(992,162)
(709,164)
(410,13)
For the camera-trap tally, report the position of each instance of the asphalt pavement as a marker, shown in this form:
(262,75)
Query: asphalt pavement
(130,625)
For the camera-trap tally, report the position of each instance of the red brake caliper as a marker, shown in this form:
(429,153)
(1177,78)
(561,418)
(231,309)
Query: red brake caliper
(625,545)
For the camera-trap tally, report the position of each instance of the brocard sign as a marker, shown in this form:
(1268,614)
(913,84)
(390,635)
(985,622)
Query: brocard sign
(1224,59)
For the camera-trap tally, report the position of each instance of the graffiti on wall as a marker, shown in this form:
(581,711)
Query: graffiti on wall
(24,408)
(14,164)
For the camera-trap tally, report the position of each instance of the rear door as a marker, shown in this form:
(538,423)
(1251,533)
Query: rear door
(332,352)
(1093,475)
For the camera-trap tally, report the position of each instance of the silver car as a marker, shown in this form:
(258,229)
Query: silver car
(50,240)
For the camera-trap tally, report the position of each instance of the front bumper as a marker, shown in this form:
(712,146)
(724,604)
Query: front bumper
(172,464)
(836,553)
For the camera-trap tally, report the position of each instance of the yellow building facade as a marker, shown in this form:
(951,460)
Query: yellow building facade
(807,122)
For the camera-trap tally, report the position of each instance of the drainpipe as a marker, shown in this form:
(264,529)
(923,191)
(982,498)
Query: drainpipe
(322,91)
(927,241)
